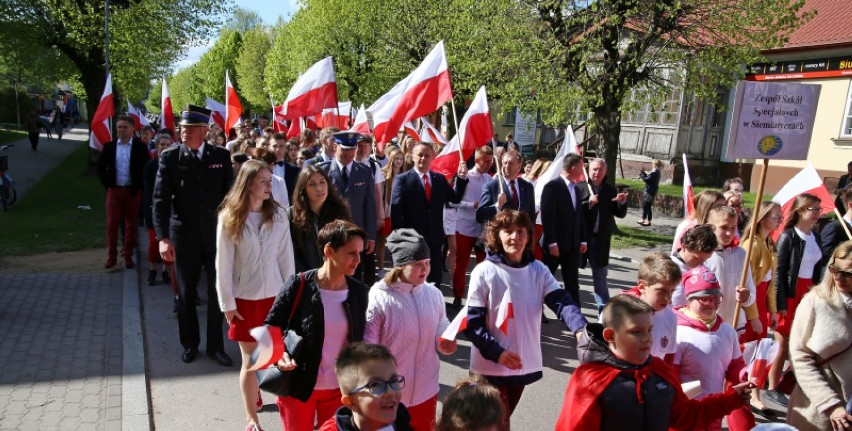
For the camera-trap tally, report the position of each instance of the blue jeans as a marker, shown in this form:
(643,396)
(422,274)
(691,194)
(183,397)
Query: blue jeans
(599,276)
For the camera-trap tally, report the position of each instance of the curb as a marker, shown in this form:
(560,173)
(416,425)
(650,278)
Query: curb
(135,412)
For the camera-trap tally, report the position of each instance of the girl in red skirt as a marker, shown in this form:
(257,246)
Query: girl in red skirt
(254,257)
(763,263)
(799,268)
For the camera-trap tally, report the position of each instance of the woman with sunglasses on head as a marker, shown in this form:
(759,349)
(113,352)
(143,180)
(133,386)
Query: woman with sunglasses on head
(763,263)
(799,268)
(821,350)
(329,310)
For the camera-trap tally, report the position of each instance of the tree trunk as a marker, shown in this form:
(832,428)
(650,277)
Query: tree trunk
(607,118)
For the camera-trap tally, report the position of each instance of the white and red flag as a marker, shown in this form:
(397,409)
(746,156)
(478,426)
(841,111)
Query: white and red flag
(569,145)
(458,325)
(233,107)
(138,117)
(167,114)
(688,204)
(759,355)
(505,312)
(339,117)
(100,132)
(217,113)
(806,181)
(420,93)
(428,133)
(295,129)
(411,130)
(315,90)
(474,131)
(279,124)
(360,124)
(270,347)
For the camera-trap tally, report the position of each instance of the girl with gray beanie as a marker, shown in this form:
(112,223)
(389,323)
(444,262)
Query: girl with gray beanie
(407,315)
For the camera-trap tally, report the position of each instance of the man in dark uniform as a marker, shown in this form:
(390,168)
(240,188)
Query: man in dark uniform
(192,180)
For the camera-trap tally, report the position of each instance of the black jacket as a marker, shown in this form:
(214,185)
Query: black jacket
(409,207)
(150,177)
(832,235)
(487,208)
(309,323)
(604,212)
(138,158)
(563,224)
(652,181)
(306,252)
(187,195)
(791,247)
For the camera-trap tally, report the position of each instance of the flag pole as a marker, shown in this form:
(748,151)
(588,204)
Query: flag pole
(842,223)
(461,138)
(750,239)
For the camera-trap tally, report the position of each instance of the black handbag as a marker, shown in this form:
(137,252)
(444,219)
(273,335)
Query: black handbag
(273,379)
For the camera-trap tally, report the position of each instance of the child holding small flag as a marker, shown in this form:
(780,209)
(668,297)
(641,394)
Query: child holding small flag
(504,305)
(407,315)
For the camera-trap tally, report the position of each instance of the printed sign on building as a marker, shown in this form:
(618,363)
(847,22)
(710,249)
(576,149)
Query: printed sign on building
(772,120)
(525,131)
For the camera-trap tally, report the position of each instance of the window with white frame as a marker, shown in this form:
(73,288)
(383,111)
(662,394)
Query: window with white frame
(846,128)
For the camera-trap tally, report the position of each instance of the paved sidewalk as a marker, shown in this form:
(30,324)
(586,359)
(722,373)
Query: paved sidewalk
(662,224)
(27,167)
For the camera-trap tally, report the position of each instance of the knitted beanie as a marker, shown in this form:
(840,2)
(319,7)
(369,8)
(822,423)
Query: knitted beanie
(406,246)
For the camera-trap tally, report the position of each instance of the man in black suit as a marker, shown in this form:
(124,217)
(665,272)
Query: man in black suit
(288,171)
(418,199)
(328,147)
(565,236)
(192,181)
(120,167)
(599,212)
(354,183)
(833,233)
(515,193)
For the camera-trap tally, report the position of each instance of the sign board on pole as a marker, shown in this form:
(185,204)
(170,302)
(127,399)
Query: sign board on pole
(772,120)
(525,131)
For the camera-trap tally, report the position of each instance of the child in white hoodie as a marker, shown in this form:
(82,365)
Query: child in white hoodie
(407,315)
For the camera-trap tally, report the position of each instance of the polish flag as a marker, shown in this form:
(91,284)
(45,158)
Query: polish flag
(759,354)
(311,122)
(295,129)
(428,133)
(505,312)
(420,93)
(336,117)
(278,122)
(410,130)
(458,324)
(314,90)
(217,113)
(167,114)
(688,204)
(569,145)
(233,107)
(806,181)
(137,116)
(99,132)
(474,131)
(270,347)
(360,124)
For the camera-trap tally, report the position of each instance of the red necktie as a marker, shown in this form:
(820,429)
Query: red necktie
(514,195)
(426,187)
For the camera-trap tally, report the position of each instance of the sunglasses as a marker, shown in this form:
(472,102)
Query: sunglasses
(379,387)
(840,272)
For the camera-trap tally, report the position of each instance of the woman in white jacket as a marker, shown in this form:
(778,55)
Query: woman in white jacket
(407,315)
(254,256)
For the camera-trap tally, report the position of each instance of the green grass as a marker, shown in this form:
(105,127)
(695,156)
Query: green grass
(632,237)
(676,190)
(7,136)
(47,219)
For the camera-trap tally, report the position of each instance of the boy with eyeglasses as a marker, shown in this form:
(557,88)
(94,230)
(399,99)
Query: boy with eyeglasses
(708,349)
(370,389)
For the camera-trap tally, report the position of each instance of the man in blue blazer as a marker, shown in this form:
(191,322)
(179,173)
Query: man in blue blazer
(418,199)
(517,193)
(354,183)
(565,235)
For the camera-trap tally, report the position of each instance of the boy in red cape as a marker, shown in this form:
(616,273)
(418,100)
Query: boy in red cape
(624,387)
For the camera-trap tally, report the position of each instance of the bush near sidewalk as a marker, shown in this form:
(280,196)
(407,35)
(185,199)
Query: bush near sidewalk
(7,136)
(47,218)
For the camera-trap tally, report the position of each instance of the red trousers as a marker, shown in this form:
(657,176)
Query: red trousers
(464,245)
(299,416)
(803,286)
(511,396)
(423,415)
(153,247)
(122,205)
(762,314)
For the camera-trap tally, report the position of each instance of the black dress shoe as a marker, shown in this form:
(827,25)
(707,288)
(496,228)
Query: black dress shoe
(189,355)
(152,278)
(221,358)
(457,305)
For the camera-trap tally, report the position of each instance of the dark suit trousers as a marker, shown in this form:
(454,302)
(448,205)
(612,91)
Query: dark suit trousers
(436,272)
(569,260)
(188,267)
(368,276)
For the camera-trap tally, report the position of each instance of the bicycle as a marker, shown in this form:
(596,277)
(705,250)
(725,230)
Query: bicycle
(8,194)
